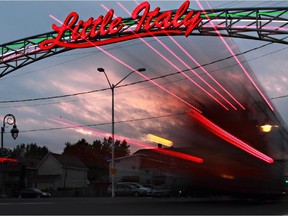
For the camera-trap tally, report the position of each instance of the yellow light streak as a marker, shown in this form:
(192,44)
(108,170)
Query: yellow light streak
(159,140)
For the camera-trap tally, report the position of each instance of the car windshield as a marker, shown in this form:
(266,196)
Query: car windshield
(136,185)
(144,107)
(149,186)
(36,190)
(133,186)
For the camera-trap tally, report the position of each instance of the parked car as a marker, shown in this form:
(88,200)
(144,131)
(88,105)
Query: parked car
(151,186)
(129,189)
(142,187)
(165,191)
(33,193)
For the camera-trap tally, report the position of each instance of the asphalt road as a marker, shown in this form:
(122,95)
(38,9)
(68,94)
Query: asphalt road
(140,206)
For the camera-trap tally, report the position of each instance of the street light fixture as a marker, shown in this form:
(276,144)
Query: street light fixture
(10,120)
(112,87)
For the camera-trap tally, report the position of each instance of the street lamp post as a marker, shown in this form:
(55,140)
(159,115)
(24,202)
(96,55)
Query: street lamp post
(10,120)
(112,87)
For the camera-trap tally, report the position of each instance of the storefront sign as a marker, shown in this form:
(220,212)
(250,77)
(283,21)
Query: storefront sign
(88,33)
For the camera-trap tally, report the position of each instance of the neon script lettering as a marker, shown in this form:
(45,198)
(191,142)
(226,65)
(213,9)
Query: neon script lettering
(87,33)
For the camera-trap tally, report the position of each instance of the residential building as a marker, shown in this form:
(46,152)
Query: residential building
(148,166)
(57,171)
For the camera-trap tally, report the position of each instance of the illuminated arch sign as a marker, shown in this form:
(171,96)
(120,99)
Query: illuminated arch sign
(83,34)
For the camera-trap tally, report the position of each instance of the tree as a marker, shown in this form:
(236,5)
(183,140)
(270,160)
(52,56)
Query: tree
(98,150)
(29,150)
(96,155)
(5,152)
(81,149)
(121,148)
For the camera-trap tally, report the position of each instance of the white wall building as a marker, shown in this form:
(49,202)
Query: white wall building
(146,167)
(61,171)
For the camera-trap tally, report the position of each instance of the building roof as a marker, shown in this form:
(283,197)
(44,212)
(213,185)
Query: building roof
(152,159)
(128,156)
(151,153)
(69,161)
(31,163)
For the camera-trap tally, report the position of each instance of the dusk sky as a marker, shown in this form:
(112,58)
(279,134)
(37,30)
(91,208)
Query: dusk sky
(140,109)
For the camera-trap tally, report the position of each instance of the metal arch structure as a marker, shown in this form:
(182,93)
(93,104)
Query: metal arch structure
(266,24)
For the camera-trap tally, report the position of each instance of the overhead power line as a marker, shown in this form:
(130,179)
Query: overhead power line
(159,77)
(105,123)
(282,96)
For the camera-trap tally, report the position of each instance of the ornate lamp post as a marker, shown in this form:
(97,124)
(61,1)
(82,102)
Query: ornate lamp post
(10,120)
(112,87)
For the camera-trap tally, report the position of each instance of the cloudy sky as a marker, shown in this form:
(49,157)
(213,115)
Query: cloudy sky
(141,108)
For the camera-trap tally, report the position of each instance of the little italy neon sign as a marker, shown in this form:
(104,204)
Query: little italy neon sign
(87,33)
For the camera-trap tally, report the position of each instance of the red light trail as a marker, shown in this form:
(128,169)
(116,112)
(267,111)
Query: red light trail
(135,70)
(173,65)
(179,155)
(197,63)
(92,131)
(229,137)
(235,57)
(3,160)
(211,126)
(178,69)
(207,73)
